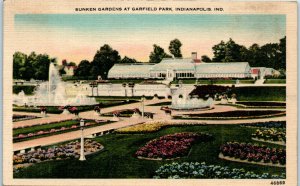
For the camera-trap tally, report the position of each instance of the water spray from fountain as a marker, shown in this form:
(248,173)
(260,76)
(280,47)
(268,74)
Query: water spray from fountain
(52,93)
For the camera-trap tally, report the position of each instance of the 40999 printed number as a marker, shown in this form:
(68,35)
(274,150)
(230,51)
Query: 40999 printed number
(277,182)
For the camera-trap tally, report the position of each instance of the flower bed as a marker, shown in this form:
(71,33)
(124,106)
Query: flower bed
(43,123)
(253,153)
(270,135)
(237,114)
(153,126)
(201,170)
(125,113)
(18,117)
(66,151)
(42,131)
(171,146)
(269,124)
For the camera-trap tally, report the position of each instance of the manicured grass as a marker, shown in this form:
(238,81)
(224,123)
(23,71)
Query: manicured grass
(275,81)
(259,93)
(120,81)
(60,132)
(238,114)
(117,160)
(103,103)
(44,127)
(167,103)
(51,109)
(271,104)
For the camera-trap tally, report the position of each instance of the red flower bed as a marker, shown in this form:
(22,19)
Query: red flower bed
(171,146)
(256,153)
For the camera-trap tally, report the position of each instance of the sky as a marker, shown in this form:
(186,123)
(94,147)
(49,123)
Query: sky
(76,37)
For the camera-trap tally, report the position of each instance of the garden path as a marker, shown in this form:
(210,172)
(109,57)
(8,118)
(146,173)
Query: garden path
(74,134)
(159,116)
(87,114)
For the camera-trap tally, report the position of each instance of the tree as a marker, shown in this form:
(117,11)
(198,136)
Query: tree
(83,69)
(32,67)
(29,67)
(205,58)
(62,71)
(72,64)
(271,55)
(19,60)
(282,56)
(254,56)
(219,52)
(232,51)
(158,54)
(174,48)
(103,60)
(128,60)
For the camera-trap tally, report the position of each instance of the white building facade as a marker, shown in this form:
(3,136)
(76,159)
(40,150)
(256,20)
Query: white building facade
(181,69)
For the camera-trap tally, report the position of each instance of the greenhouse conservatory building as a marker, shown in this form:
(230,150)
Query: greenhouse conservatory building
(177,68)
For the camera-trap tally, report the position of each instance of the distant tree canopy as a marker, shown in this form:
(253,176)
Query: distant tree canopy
(205,58)
(128,60)
(158,54)
(103,60)
(64,62)
(174,48)
(272,55)
(62,71)
(36,66)
(32,66)
(83,69)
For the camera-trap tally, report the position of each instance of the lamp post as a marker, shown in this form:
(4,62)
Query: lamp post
(82,157)
(143,105)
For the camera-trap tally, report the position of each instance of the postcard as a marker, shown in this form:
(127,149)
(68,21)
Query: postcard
(134,92)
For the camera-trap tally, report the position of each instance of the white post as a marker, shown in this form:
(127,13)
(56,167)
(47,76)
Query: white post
(82,157)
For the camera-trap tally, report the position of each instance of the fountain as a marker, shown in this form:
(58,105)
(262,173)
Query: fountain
(52,93)
(181,100)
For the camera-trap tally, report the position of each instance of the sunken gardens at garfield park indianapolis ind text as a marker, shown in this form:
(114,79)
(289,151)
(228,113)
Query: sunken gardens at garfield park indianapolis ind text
(173,116)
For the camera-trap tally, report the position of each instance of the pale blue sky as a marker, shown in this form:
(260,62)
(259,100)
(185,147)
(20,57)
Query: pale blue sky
(134,34)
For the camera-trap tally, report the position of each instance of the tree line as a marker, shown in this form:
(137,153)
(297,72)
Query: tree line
(32,66)
(36,66)
(106,57)
(272,55)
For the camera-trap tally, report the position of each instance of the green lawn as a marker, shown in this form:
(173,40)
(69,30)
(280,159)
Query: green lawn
(235,114)
(259,93)
(117,160)
(120,81)
(167,103)
(103,103)
(51,126)
(44,127)
(275,81)
(51,109)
